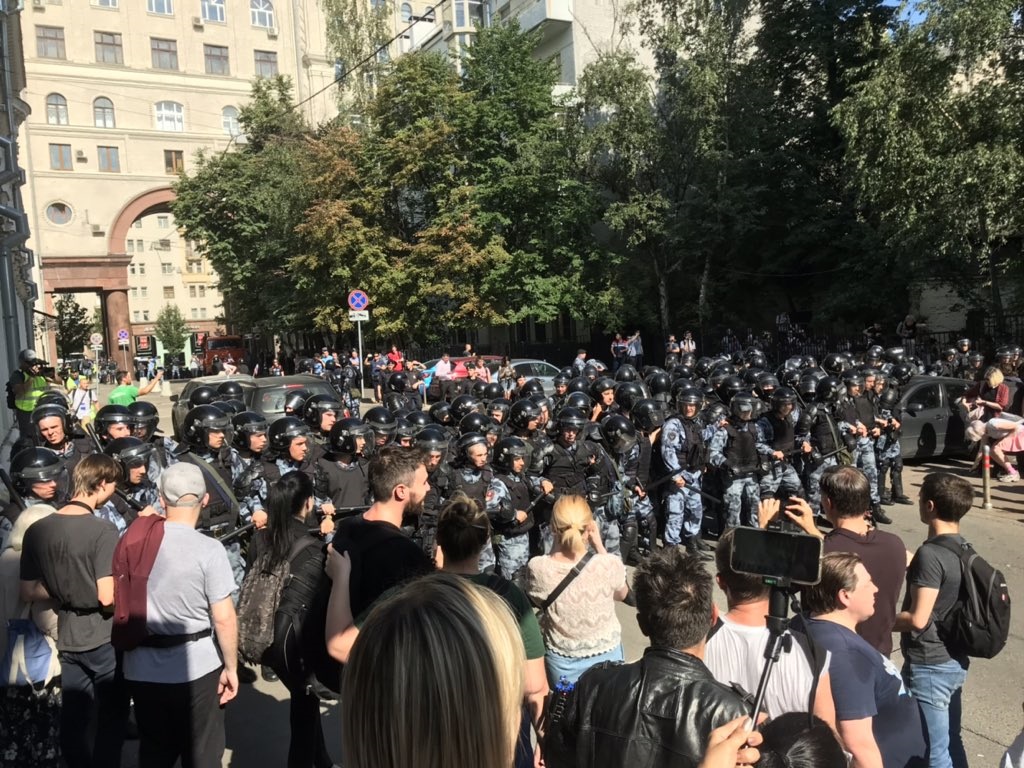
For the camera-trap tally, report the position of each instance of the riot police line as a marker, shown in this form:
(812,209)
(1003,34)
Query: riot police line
(676,453)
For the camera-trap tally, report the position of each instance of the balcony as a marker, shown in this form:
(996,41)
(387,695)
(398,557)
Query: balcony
(533,14)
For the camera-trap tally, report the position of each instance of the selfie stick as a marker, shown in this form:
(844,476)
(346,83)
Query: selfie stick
(778,640)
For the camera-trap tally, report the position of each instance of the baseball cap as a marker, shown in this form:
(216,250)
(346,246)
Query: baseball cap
(181,480)
(30,356)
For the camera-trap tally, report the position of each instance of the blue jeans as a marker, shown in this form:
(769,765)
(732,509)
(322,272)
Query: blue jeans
(572,667)
(938,689)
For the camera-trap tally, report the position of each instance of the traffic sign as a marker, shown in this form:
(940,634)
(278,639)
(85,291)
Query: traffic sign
(122,336)
(96,338)
(359,316)
(358,300)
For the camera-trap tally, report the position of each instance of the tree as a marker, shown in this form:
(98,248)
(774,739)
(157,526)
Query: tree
(171,330)
(73,326)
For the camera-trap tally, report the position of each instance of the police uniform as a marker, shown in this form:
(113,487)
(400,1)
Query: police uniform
(824,438)
(165,454)
(856,410)
(474,483)
(442,485)
(890,458)
(680,449)
(220,515)
(346,484)
(733,449)
(637,514)
(248,482)
(507,495)
(121,513)
(568,470)
(778,433)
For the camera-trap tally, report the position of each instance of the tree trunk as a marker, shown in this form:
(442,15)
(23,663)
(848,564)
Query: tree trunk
(662,277)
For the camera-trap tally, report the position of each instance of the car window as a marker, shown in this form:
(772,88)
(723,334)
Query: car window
(270,401)
(545,369)
(955,391)
(523,368)
(927,396)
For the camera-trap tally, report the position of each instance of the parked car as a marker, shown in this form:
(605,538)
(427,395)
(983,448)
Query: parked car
(931,425)
(541,370)
(265,396)
(427,374)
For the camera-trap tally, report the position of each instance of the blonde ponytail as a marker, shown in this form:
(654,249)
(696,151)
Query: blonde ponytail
(570,518)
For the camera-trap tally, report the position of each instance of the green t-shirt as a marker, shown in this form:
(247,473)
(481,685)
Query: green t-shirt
(517,600)
(123,394)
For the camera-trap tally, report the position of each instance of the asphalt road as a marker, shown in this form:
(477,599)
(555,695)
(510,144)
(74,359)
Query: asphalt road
(257,721)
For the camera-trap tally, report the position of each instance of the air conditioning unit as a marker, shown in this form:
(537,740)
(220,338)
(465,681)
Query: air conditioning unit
(40,4)
(272,33)
(197,22)
(80,154)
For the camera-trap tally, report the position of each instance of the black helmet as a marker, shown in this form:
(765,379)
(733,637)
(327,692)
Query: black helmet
(902,372)
(52,398)
(578,384)
(34,465)
(806,387)
(681,372)
(766,385)
(230,407)
(493,391)
(419,419)
(506,451)
(834,364)
(396,401)
(626,372)
(399,382)
(382,422)
(541,401)
(404,429)
(531,387)
(964,344)
(244,425)
(202,395)
(201,421)
(129,452)
(618,433)
(317,406)
(975,357)
(628,394)
(109,415)
(432,439)
(467,441)
(441,413)
(755,359)
(51,410)
(343,435)
(743,404)
(895,355)
(571,418)
(521,413)
(294,401)
(714,413)
(474,422)
(478,389)
(685,393)
(230,390)
(949,353)
(783,396)
(144,419)
(590,372)
(888,399)
(579,400)
(499,406)
(830,390)
(659,384)
(671,360)
(729,388)
(648,414)
(600,385)
(462,405)
(283,431)
(561,379)
(703,367)
(853,378)
(874,355)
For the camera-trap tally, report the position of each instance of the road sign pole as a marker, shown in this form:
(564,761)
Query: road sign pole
(124,356)
(362,382)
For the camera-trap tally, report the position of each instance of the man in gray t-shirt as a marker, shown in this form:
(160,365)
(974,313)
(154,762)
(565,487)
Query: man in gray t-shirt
(180,677)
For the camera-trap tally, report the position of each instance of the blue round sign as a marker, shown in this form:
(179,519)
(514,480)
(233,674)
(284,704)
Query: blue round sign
(358,300)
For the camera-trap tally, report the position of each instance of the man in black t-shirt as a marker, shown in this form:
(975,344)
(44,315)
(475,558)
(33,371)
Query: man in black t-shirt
(69,557)
(370,554)
(933,672)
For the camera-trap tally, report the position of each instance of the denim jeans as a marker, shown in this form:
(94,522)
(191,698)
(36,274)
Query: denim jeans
(572,666)
(938,689)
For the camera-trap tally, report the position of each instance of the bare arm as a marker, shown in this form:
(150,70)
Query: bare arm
(824,704)
(535,690)
(105,591)
(225,622)
(922,603)
(31,591)
(340,632)
(149,387)
(860,742)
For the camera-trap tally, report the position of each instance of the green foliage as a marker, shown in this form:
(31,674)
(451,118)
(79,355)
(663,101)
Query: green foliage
(73,325)
(171,329)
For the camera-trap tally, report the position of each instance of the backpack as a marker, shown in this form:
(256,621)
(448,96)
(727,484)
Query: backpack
(979,623)
(134,556)
(31,656)
(10,394)
(258,600)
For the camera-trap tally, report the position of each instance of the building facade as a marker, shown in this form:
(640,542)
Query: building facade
(124,94)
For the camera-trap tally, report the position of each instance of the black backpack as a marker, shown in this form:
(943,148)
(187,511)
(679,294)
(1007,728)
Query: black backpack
(979,622)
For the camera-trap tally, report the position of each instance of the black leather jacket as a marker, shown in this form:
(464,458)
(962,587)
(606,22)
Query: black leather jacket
(656,713)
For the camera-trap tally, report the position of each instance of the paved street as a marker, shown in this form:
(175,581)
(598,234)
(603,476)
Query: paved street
(257,722)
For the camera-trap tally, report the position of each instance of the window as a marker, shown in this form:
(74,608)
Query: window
(60,157)
(162,245)
(261,13)
(213,10)
(108,47)
(174,161)
(202,313)
(195,313)
(163,7)
(50,42)
(129,247)
(103,113)
(142,266)
(928,397)
(163,222)
(266,64)
(56,109)
(167,269)
(216,57)
(168,291)
(469,12)
(164,53)
(137,223)
(170,116)
(195,267)
(145,313)
(105,3)
(229,121)
(131,270)
(140,246)
(109,159)
(191,291)
(406,13)
(135,291)
(202,291)
(136,316)
(143,291)
(59,213)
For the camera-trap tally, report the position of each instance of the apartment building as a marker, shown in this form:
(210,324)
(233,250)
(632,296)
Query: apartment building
(124,94)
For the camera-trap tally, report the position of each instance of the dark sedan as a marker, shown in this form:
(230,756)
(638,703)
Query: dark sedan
(931,423)
(265,396)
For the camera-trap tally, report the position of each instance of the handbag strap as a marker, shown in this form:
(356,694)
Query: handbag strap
(564,583)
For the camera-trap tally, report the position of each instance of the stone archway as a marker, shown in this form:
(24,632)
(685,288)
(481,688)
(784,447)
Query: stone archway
(106,275)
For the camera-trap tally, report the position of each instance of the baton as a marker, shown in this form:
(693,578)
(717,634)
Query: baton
(237,532)
(11,491)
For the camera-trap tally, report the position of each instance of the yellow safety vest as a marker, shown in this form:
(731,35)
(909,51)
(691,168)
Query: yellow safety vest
(37,387)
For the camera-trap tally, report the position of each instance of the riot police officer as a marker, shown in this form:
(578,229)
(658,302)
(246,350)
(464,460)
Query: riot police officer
(39,476)
(473,476)
(52,428)
(248,442)
(433,441)
(133,457)
(680,451)
(509,507)
(859,422)
(733,450)
(777,444)
(341,473)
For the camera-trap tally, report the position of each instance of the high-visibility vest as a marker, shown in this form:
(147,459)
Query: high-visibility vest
(27,402)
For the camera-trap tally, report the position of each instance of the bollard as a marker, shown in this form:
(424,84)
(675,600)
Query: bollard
(165,387)
(986,477)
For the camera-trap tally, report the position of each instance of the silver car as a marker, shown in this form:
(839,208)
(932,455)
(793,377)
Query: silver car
(541,370)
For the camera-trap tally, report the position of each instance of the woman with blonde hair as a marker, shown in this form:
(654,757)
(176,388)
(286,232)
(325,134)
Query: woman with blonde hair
(991,394)
(576,590)
(36,711)
(435,679)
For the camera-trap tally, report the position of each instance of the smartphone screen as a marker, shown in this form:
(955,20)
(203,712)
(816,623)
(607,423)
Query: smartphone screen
(777,554)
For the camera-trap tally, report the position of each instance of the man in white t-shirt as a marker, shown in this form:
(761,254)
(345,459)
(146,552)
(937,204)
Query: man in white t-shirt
(180,678)
(736,646)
